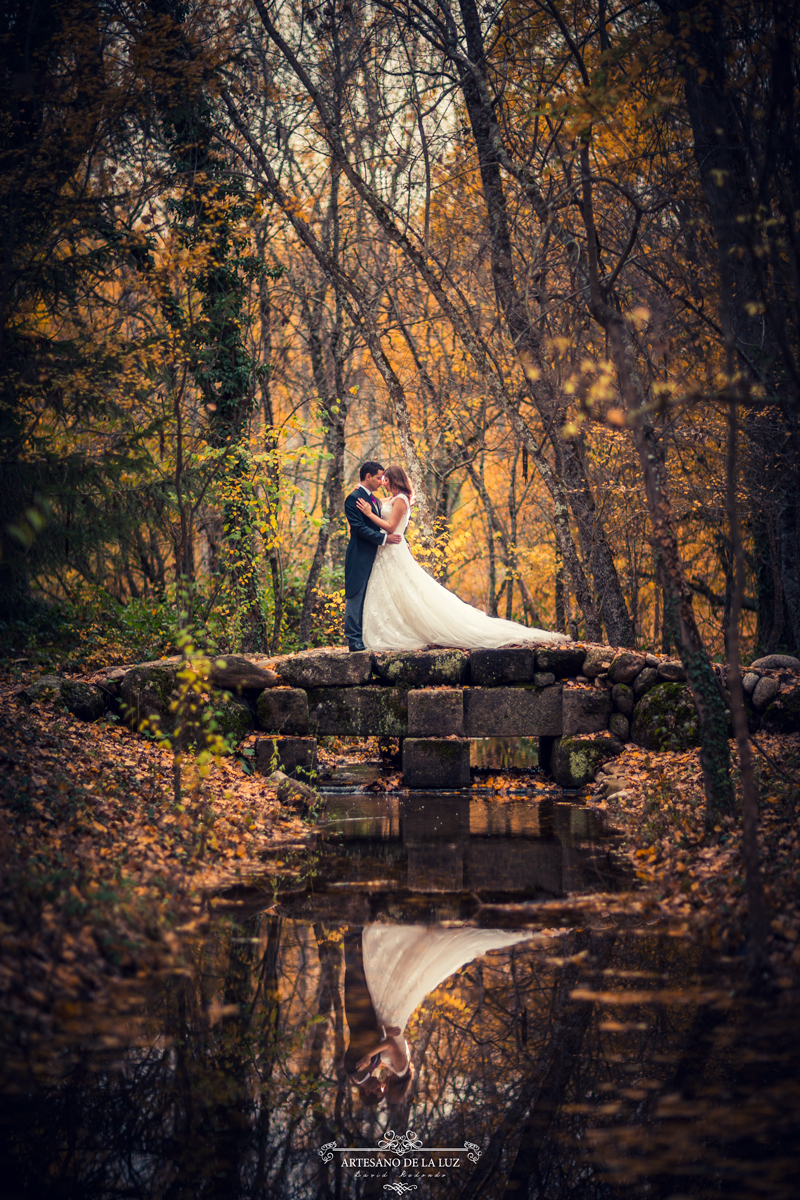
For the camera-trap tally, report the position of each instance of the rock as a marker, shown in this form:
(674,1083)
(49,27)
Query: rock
(147,693)
(358,711)
(597,661)
(749,682)
(586,710)
(325,668)
(623,698)
(422,668)
(614,786)
(651,660)
(235,674)
(296,794)
(765,692)
(561,660)
(543,679)
(491,668)
(672,671)
(644,681)
(283,710)
(512,712)
(665,719)
(83,700)
(45,689)
(436,762)
(776,662)
(625,666)
(292,755)
(575,759)
(619,725)
(436,713)
(232,716)
(783,715)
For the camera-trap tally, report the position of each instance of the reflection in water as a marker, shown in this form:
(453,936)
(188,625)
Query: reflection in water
(584,1065)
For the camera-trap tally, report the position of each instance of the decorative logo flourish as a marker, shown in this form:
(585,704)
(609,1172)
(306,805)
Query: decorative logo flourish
(473,1151)
(325,1152)
(398,1143)
(400,1188)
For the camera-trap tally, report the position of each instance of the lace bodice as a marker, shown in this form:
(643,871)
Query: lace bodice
(387,509)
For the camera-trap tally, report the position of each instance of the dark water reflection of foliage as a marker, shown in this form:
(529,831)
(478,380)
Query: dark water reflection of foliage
(583,1065)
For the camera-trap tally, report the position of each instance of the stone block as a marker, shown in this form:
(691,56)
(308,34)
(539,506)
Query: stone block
(783,715)
(513,712)
(576,759)
(147,693)
(597,661)
(623,698)
(765,692)
(83,700)
(232,717)
(625,666)
(666,719)
(672,671)
(325,668)
(233,673)
(491,668)
(436,712)
(749,682)
(422,668)
(586,710)
(292,755)
(561,660)
(358,711)
(283,710)
(777,662)
(645,680)
(543,678)
(436,762)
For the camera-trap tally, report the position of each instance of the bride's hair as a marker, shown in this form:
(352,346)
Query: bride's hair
(398,479)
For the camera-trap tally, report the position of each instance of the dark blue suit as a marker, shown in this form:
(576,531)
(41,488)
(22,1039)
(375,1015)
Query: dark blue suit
(365,538)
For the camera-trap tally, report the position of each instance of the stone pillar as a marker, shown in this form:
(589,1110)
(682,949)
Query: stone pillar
(436,763)
(292,755)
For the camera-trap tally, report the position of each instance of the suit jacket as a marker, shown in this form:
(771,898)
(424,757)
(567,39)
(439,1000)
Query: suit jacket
(365,538)
(362,1022)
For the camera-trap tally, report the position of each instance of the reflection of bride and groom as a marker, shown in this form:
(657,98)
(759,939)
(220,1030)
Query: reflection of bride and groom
(389,970)
(391,602)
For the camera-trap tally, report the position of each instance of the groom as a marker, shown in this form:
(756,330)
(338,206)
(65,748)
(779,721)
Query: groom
(365,538)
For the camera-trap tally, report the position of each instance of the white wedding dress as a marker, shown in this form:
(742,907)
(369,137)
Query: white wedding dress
(406,609)
(404,963)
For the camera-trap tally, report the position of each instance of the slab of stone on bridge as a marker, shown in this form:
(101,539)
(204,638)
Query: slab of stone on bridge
(436,762)
(422,668)
(325,668)
(358,711)
(292,755)
(436,712)
(513,712)
(284,710)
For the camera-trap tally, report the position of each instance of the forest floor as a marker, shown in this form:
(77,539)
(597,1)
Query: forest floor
(102,872)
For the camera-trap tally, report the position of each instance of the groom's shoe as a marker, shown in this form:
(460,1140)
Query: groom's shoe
(354,646)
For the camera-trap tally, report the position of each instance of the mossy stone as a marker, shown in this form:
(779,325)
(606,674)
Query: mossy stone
(83,700)
(233,717)
(422,668)
(666,719)
(783,715)
(147,693)
(45,689)
(576,759)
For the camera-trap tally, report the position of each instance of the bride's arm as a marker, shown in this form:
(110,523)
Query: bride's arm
(395,517)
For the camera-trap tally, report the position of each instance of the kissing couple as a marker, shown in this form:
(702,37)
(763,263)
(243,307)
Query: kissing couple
(391,602)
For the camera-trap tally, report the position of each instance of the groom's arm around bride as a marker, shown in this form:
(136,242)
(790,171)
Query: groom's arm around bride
(365,539)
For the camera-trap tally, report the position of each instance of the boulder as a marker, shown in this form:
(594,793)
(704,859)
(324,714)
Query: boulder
(651,660)
(283,710)
(644,681)
(576,759)
(619,725)
(776,662)
(45,689)
(666,719)
(597,661)
(783,715)
(232,717)
(563,661)
(325,668)
(84,700)
(513,712)
(672,671)
(293,755)
(543,679)
(358,711)
(765,692)
(147,693)
(749,682)
(295,794)
(436,713)
(491,668)
(623,698)
(625,666)
(235,674)
(422,668)
(586,710)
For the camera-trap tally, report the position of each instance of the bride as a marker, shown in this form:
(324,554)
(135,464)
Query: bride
(406,609)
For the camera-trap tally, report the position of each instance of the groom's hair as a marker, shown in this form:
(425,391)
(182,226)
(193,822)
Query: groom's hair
(369,468)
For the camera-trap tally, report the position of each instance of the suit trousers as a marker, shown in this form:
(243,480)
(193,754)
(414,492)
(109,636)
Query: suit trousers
(354,616)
